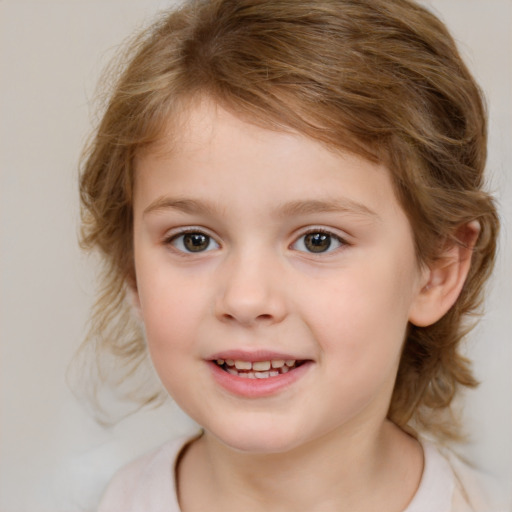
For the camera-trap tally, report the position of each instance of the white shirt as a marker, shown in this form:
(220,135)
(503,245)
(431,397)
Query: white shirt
(148,484)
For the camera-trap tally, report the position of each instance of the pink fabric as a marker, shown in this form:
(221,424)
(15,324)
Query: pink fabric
(148,484)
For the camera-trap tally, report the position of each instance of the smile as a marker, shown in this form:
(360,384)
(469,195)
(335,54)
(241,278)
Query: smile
(258,369)
(257,375)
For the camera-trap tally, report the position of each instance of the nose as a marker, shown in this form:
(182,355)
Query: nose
(251,292)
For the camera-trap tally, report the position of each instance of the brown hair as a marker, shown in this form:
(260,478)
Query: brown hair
(381,78)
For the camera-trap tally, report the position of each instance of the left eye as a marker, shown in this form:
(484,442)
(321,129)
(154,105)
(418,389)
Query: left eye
(317,242)
(194,242)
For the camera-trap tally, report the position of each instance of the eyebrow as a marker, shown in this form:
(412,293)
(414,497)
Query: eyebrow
(181,204)
(344,205)
(290,209)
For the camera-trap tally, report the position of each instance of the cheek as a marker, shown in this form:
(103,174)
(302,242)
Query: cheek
(364,316)
(169,314)
(171,306)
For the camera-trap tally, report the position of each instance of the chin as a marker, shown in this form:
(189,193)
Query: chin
(259,439)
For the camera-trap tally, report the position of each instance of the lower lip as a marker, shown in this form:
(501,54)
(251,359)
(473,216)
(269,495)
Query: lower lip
(257,388)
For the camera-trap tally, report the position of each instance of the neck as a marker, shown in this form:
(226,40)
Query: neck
(333,472)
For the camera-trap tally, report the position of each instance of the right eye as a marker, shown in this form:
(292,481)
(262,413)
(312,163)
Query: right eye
(193,241)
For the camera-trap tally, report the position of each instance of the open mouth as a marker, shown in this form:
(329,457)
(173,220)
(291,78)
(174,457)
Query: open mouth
(258,369)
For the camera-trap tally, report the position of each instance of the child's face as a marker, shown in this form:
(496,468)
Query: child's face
(256,246)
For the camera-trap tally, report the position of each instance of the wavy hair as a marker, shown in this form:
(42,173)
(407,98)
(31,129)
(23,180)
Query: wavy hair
(380,78)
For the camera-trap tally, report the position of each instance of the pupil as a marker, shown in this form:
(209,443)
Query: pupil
(196,242)
(317,242)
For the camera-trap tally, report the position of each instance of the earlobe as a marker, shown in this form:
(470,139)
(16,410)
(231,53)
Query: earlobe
(444,278)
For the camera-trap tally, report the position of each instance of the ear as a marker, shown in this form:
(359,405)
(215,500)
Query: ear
(443,280)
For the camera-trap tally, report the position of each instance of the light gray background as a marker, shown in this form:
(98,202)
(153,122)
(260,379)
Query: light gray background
(53,457)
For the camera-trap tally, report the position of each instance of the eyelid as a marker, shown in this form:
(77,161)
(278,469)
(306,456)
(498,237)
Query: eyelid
(183,230)
(327,231)
(171,235)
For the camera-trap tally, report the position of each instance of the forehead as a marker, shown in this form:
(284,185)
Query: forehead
(200,111)
(208,151)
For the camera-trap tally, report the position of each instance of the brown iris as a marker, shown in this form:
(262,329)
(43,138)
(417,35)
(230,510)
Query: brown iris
(317,242)
(196,242)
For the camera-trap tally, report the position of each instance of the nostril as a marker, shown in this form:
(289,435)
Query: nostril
(265,316)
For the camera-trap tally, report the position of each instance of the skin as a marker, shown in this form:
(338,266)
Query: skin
(323,441)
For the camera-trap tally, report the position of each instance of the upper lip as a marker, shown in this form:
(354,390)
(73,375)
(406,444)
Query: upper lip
(254,356)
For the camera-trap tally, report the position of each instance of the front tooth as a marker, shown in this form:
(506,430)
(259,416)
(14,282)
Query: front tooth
(277,363)
(261,366)
(250,375)
(290,362)
(262,375)
(243,365)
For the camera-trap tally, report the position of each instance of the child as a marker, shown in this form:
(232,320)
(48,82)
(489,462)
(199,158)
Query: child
(289,195)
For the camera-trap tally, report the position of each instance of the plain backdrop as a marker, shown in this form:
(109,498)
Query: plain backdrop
(53,456)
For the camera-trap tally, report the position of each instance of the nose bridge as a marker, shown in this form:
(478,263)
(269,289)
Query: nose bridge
(251,288)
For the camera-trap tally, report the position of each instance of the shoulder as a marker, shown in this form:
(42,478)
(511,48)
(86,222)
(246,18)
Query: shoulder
(474,490)
(147,483)
(450,485)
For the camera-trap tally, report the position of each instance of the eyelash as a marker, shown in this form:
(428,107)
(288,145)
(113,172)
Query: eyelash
(173,238)
(321,231)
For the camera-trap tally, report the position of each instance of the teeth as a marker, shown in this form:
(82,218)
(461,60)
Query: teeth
(258,369)
(261,366)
